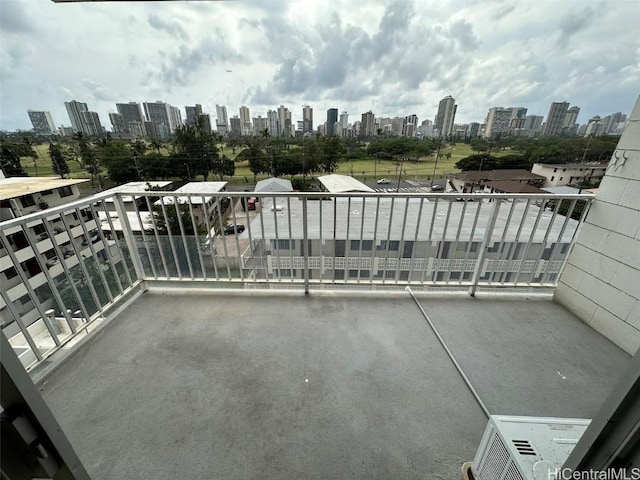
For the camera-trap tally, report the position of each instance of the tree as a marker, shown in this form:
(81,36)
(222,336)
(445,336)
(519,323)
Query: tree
(474,162)
(10,154)
(117,157)
(331,148)
(58,160)
(223,166)
(196,148)
(255,157)
(479,145)
(88,158)
(171,222)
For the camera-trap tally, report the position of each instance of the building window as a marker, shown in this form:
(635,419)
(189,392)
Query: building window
(24,299)
(50,254)
(394,245)
(10,273)
(353,273)
(367,244)
(46,192)
(355,244)
(65,191)
(39,229)
(27,201)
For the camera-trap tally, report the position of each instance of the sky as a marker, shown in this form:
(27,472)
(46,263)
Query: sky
(395,58)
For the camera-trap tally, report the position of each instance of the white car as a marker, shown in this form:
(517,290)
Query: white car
(384,181)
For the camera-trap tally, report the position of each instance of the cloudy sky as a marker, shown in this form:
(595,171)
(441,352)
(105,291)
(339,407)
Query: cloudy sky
(393,57)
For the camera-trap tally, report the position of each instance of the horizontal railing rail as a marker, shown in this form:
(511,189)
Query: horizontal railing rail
(64,267)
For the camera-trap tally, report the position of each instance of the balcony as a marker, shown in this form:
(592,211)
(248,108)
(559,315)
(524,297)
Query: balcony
(172,351)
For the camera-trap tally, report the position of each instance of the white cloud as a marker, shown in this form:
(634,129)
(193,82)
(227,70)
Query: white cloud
(396,58)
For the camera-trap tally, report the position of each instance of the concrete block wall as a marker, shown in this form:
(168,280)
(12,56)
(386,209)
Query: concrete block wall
(601,281)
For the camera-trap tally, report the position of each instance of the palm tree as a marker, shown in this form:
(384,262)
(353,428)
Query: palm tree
(29,144)
(88,158)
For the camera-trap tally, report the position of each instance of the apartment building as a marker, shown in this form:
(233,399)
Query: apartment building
(556,175)
(407,240)
(45,250)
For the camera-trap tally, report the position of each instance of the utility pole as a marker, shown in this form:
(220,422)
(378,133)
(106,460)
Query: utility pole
(433,177)
(400,173)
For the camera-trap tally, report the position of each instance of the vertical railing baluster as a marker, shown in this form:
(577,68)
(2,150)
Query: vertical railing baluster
(129,238)
(362,214)
(305,244)
(428,249)
(513,249)
(277,244)
(143,233)
(415,238)
(67,271)
(401,242)
(223,237)
(452,254)
(470,241)
(523,259)
(95,256)
(107,247)
(156,235)
(168,226)
(211,237)
(236,234)
(484,246)
(196,233)
(183,234)
(82,265)
(374,247)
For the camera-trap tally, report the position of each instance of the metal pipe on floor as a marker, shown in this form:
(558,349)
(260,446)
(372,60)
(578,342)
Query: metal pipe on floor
(446,348)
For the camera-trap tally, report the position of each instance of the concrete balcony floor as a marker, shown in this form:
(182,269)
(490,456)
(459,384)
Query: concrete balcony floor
(195,385)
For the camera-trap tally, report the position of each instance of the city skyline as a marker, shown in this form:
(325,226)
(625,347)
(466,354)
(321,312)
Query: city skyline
(325,55)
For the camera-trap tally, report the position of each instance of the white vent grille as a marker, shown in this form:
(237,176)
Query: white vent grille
(496,462)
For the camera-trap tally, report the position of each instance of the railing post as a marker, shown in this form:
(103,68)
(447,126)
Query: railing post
(128,236)
(305,245)
(486,242)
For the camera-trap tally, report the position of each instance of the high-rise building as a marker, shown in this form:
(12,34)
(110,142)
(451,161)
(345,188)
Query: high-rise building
(117,122)
(595,127)
(91,125)
(344,124)
(410,126)
(158,113)
(245,120)
(497,122)
(132,116)
(473,129)
(236,126)
(259,125)
(273,123)
(332,118)
(532,125)
(426,128)
(307,119)
(569,123)
(368,124)
(175,118)
(555,119)
(42,122)
(192,112)
(446,115)
(73,110)
(284,119)
(205,122)
(222,121)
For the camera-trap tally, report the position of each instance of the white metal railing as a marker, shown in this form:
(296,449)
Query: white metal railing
(66,266)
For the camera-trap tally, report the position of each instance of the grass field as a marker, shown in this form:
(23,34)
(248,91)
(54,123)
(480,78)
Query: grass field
(363,169)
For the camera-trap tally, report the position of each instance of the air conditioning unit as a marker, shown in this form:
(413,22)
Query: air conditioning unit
(526,448)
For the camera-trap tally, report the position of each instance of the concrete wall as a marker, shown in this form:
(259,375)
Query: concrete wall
(601,282)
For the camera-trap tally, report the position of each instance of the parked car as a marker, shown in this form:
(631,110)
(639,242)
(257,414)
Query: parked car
(437,188)
(229,229)
(384,181)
